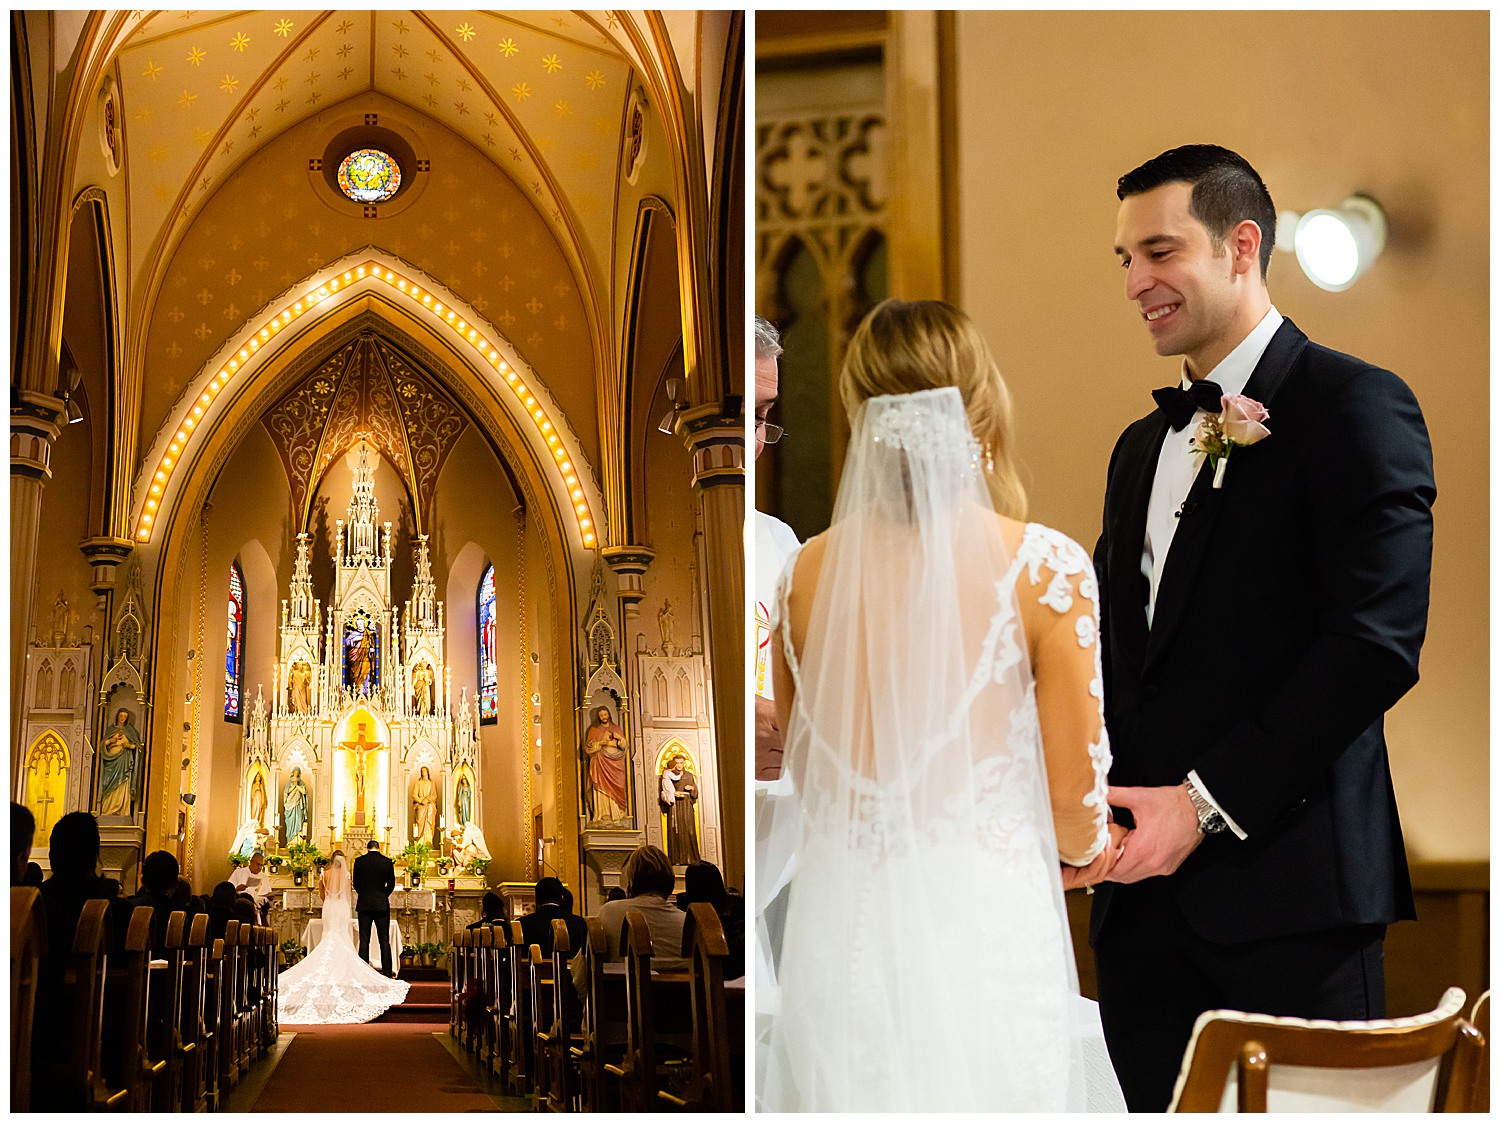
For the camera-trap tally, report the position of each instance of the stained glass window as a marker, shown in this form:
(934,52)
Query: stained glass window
(368,175)
(489,679)
(234,656)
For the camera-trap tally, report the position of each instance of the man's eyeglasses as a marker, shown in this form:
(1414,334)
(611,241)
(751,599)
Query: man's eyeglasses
(766,433)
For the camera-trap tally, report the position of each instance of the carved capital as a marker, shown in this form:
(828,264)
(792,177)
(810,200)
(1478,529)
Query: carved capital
(629,564)
(105,554)
(716,437)
(35,421)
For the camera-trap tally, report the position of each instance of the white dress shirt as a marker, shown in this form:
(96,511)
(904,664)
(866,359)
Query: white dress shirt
(1176,467)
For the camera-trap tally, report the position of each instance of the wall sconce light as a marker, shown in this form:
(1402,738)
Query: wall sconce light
(1335,247)
(665,425)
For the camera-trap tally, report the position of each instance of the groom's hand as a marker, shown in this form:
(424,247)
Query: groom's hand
(1166,831)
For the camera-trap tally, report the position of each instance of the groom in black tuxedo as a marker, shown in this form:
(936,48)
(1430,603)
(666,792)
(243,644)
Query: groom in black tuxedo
(374,879)
(1255,635)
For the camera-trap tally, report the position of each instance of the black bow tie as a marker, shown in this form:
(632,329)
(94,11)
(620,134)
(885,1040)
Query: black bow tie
(1179,405)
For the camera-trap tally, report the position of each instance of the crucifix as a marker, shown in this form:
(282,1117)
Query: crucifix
(362,747)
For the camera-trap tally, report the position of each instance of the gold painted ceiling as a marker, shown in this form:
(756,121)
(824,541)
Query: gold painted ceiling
(542,93)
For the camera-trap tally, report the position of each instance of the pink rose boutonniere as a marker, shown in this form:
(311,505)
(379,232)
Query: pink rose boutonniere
(1240,424)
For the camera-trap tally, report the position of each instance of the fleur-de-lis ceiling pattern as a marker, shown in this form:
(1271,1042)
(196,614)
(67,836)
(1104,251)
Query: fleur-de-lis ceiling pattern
(366,387)
(542,93)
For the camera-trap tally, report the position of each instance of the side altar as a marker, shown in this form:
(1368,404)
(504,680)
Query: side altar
(360,738)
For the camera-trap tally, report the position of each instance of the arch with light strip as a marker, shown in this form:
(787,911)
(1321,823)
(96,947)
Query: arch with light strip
(518,388)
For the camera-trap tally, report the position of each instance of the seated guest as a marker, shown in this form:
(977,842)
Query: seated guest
(244,909)
(493,911)
(254,880)
(537,927)
(703,883)
(58,1079)
(220,910)
(33,876)
(567,899)
(22,835)
(163,890)
(615,894)
(648,883)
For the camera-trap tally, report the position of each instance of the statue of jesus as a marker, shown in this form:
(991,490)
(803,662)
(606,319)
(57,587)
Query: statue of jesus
(361,747)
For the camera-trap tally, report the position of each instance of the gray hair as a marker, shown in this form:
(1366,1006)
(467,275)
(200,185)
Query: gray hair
(258,854)
(767,339)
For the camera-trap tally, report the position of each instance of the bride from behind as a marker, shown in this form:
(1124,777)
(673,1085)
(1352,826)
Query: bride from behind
(937,675)
(333,985)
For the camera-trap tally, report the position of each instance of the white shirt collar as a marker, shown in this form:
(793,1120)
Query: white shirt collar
(1235,369)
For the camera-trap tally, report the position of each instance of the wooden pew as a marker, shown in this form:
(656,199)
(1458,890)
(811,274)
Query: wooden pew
(636,1072)
(193,1030)
(28,943)
(712,1087)
(83,993)
(591,1049)
(459,947)
(540,985)
(164,1025)
(272,989)
(127,995)
(228,987)
(213,1019)
(246,1019)
(518,1017)
(561,1040)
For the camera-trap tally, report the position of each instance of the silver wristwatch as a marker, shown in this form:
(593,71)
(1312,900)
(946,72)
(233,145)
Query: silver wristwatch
(1209,819)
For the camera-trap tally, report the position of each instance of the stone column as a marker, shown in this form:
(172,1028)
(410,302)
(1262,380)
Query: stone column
(716,438)
(35,421)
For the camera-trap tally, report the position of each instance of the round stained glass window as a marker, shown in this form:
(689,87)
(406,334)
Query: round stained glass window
(369,175)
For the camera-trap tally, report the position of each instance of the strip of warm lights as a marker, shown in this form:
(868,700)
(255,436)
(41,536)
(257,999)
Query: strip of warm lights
(309,300)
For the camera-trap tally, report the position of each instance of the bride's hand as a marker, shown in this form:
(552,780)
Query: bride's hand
(1084,877)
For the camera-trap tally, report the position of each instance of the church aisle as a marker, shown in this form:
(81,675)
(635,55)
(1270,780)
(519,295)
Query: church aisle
(383,1066)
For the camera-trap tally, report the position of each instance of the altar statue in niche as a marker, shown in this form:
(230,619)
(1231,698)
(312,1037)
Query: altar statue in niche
(294,805)
(258,799)
(299,688)
(467,844)
(608,784)
(361,654)
(118,761)
(666,624)
(463,801)
(360,749)
(424,806)
(679,792)
(421,689)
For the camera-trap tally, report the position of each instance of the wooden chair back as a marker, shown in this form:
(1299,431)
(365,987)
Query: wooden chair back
(712,1087)
(229,1007)
(273,988)
(193,1031)
(493,959)
(541,985)
(127,986)
(564,1039)
(601,1024)
(1250,1063)
(518,1022)
(28,943)
(459,964)
(214,982)
(83,989)
(246,1018)
(636,1073)
(164,1039)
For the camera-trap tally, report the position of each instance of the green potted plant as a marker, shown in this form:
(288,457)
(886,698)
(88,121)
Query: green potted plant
(477,867)
(417,856)
(444,864)
(275,862)
(238,860)
(291,951)
(301,856)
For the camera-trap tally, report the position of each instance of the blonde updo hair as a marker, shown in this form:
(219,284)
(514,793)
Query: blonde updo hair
(904,346)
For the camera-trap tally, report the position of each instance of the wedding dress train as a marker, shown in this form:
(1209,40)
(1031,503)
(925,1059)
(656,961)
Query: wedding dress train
(333,985)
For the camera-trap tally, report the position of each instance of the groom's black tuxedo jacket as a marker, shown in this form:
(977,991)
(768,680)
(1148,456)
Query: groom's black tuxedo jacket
(374,877)
(1288,619)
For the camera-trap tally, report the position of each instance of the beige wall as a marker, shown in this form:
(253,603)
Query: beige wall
(1054,107)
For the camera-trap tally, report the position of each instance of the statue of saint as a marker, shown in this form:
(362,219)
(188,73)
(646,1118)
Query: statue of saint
(424,806)
(117,765)
(299,688)
(258,799)
(60,619)
(421,689)
(359,656)
(463,802)
(604,747)
(467,843)
(294,805)
(666,623)
(679,791)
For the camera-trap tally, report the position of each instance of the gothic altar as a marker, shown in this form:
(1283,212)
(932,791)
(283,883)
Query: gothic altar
(360,739)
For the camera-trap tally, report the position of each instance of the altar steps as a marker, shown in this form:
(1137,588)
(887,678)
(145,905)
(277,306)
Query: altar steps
(426,1001)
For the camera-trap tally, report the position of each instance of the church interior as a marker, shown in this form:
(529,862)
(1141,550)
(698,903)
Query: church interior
(973,157)
(377,447)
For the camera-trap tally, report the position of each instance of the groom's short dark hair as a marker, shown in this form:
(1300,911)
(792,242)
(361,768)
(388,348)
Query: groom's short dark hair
(1226,191)
(372,845)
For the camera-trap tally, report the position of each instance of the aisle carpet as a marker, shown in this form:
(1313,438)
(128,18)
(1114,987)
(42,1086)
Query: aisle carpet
(399,1062)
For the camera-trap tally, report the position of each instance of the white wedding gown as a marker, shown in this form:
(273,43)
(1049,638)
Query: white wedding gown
(333,985)
(925,961)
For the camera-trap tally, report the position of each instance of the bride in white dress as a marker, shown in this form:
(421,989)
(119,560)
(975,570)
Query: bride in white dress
(333,985)
(938,679)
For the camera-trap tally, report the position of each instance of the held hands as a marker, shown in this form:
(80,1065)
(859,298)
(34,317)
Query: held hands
(1166,831)
(1086,877)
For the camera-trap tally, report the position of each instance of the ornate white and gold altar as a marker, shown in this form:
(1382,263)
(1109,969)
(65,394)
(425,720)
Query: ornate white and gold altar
(377,442)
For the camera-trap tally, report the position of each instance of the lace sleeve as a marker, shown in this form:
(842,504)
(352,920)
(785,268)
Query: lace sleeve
(1060,601)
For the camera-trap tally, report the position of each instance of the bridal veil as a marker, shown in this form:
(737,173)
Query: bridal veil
(925,961)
